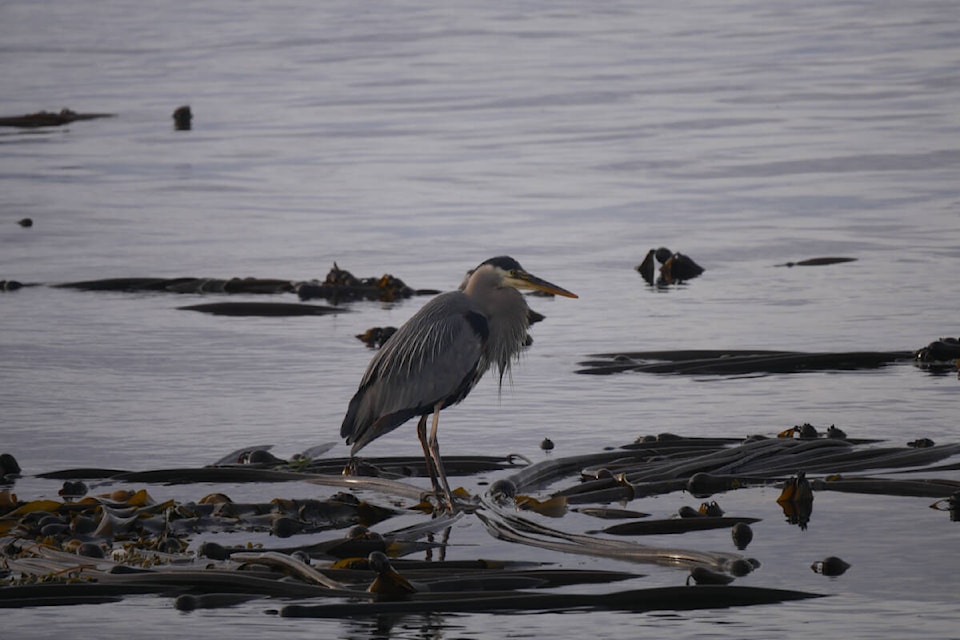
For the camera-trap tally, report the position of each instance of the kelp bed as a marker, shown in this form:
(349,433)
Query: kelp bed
(377,545)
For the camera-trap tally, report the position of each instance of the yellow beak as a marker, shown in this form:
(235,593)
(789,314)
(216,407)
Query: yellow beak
(524,280)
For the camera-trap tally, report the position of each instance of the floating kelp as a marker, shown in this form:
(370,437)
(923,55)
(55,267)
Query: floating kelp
(830,566)
(796,500)
(50,119)
(742,535)
(705,467)
(182,118)
(670,598)
(9,467)
(341,285)
(737,362)
(184,285)
(375,337)
(943,353)
(932,488)
(702,575)
(950,504)
(674,267)
(10,285)
(816,262)
(610,513)
(513,528)
(674,525)
(263,309)
(365,547)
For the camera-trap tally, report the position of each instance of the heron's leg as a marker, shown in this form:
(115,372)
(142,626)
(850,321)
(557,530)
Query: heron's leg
(435,450)
(428,457)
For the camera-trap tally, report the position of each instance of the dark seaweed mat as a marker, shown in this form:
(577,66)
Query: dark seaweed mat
(39,572)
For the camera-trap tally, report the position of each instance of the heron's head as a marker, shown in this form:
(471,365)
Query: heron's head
(511,274)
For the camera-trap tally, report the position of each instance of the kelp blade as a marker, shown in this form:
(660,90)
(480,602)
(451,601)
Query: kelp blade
(661,598)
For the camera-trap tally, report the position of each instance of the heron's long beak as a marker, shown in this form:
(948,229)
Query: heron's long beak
(524,280)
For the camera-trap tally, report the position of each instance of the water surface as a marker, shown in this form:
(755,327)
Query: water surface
(420,139)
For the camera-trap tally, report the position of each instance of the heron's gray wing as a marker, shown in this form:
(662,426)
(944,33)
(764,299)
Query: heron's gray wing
(434,357)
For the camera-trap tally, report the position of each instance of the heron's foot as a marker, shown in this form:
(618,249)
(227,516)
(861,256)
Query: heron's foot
(358,467)
(457,501)
(351,468)
(434,502)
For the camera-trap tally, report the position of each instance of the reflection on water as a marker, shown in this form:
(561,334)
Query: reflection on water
(422,625)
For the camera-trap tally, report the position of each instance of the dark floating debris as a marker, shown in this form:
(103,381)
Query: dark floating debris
(816,262)
(182,118)
(10,285)
(375,337)
(49,119)
(830,566)
(26,223)
(674,267)
(737,362)
(265,309)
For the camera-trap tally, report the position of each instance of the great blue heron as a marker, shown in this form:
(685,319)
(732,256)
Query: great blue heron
(439,355)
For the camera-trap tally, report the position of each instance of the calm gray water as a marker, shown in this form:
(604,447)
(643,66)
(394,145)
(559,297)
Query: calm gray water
(421,138)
